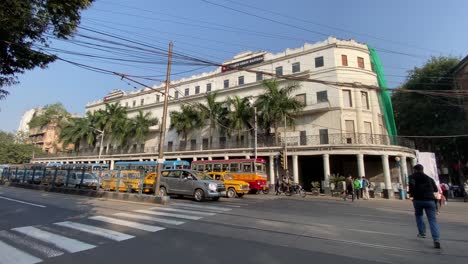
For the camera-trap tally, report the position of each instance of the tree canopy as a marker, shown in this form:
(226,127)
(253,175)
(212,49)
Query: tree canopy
(13,151)
(26,25)
(53,113)
(419,114)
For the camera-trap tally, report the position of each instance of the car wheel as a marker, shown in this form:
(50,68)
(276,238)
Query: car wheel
(231,193)
(162,191)
(199,195)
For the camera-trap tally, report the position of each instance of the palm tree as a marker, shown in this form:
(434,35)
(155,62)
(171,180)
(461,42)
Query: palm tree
(139,126)
(188,119)
(212,111)
(276,103)
(113,121)
(78,129)
(240,115)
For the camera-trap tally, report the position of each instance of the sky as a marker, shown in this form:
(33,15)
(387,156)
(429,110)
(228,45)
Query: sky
(405,33)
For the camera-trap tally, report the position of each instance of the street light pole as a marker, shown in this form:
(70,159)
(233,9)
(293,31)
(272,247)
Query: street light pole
(255,131)
(162,131)
(98,185)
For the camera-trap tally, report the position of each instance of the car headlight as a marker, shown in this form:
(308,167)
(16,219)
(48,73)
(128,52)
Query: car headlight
(212,187)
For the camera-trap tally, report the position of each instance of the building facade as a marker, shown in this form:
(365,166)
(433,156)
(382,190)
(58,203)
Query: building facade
(340,131)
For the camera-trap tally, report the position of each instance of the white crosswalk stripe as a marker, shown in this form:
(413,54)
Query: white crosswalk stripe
(9,255)
(65,243)
(26,241)
(190,217)
(150,218)
(136,225)
(107,233)
(181,211)
(207,207)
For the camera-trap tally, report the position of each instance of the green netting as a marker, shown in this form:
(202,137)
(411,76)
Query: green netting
(384,95)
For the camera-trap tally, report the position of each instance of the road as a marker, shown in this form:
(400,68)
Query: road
(41,227)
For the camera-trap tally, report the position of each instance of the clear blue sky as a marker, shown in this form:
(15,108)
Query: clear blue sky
(420,28)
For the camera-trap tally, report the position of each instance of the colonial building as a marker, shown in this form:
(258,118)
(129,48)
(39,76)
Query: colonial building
(341,130)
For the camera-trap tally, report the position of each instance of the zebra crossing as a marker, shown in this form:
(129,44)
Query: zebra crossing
(34,244)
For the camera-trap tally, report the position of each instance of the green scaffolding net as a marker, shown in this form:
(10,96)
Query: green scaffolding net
(384,95)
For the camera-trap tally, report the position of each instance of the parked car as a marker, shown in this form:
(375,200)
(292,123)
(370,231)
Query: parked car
(90,180)
(185,182)
(128,182)
(233,187)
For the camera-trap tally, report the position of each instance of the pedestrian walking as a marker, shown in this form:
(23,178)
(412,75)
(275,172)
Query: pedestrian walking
(357,187)
(277,185)
(349,188)
(365,188)
(422,189)
(438,196)
(445,190)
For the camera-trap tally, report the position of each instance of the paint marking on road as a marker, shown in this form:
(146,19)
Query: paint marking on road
(25,241)
(373,232)
(65,243)
(190,217)
(10,255)
(149,228)
(150,218)
(181,211)
(23,202)
(107,233)
(207,207)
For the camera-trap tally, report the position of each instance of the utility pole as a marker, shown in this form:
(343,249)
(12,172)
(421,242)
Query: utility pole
(285,149)
(162,132)
(255,131)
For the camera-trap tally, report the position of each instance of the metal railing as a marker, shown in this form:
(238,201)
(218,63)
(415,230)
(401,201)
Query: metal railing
(341,139)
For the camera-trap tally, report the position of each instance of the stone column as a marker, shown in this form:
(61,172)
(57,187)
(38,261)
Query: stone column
(194,158)
(404,173)
(360,164)
(247,156)
(210,158)
(414,161)
(358,106)
(326,173)
(112,164)
(388,191)
(226,157)
(272,170)
(295,168)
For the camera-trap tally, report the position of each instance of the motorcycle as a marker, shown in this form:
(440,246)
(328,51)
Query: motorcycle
(295,188)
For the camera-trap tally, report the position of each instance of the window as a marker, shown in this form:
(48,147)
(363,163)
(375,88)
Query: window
(349,131)
(368,128)
(134,103)
(226,83)
(205,143)
(158,97)
(322,97)
(197,89)
(222,142)
(142,101)
(208,87)
(319,62)
(360,62)
(301,98)
(344,60)
(176,94)
(193,144)
(279,70)
(347,100)
(296,67)
(241,80)
(187,91)
(259,76)
(365,100)
(303,137)
(126,104)
(323,136)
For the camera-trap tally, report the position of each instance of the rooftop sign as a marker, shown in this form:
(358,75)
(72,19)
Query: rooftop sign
(242,63)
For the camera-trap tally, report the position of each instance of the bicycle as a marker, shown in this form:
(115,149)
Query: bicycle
(295,189)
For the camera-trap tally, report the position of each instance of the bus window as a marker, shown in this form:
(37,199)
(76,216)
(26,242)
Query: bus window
(209,167)
(199,167)
(217,167)
(225,167)
(234,167)
(247,167)
(259,167)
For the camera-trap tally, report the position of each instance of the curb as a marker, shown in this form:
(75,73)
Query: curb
(142,198)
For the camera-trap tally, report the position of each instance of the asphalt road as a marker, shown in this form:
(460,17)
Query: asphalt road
(46,227)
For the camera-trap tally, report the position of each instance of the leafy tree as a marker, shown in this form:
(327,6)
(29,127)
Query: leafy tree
(187,120)
(26,25)
(276,103)
(78,129)
(419,114)
(113,121)
(14,152)
(54,114)
(241,114)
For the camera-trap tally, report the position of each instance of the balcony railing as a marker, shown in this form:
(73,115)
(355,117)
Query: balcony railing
(343,139)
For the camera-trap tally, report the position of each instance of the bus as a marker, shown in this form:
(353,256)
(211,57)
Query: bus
(252,171)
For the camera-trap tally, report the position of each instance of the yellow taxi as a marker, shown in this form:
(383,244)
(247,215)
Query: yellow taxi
(233,187)
(129,181)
